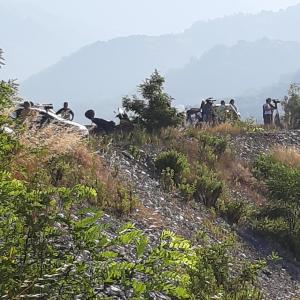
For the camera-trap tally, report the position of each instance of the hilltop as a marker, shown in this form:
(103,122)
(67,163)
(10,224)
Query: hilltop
(155,210)
(103,72)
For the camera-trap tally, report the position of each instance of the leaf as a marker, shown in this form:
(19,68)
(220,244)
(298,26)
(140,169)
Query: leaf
(139,287)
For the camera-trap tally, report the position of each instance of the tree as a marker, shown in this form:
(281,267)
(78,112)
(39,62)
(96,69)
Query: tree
(292,107)
(154,111)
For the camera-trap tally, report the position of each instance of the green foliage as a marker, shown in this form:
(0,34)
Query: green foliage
(187,190)
(51,248)
(55,245)
(213,278)
(216,143)
(208,186)
(249,125)
(292,108)
(167,179)
(233,210)
(8,146)
(6,92)
(154,111)
(280,217)
(135,152)
(175,161)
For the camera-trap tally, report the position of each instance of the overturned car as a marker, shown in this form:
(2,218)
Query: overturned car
(42,115)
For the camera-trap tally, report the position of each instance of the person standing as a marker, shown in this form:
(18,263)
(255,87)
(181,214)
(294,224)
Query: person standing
(65,112)
(222,112)
(268,109)
(207,111)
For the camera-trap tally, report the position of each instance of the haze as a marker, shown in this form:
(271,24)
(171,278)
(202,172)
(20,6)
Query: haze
(94,52)
(72,24)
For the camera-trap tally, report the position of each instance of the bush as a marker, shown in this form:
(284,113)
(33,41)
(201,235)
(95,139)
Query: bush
(175,161)
(187,190)
(208,186)
(233,210)
(280,218)
(167,179)
(213,278)
(154,111)
(292,108)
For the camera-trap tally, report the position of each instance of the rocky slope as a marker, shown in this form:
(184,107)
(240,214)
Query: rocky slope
(248,146)
(159,210)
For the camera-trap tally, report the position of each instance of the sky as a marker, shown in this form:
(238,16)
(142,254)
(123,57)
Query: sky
(64,26)
(105,19)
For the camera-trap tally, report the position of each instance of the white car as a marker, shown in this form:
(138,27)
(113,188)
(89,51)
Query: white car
(46,116)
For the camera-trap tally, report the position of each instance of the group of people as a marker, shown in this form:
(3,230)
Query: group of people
(99,125)
(25,111)
(210,113)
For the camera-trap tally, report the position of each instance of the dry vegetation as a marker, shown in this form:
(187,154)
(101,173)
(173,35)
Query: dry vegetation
(224,129)
(289,156)
(63,158)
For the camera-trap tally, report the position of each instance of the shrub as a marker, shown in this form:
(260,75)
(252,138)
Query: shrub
(154,111)
(233,210)
(175,161)
(187,190)
(167,179)
(280,217)
(292,108)
(216,143)
(208,186)
(212,276)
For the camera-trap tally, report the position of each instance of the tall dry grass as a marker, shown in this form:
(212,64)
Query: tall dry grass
(57,140)
(224,129)
(58,156)
(290,156)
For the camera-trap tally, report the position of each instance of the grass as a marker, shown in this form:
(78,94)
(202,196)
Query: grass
(225,129)
(59,157)
(289,156)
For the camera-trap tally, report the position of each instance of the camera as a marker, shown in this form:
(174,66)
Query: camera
(276,101)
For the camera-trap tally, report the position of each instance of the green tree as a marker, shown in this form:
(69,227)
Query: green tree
(154,111)
(292,107)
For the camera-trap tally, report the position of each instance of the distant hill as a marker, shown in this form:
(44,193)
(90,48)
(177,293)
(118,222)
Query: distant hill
(99,74)
(250,104)
(33,39)
(231,71)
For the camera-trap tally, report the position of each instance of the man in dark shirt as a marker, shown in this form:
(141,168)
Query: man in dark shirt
(268,109)
(101,125)
(65,112)
(207,111)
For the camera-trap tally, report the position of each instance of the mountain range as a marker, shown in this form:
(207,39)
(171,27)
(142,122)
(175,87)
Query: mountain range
(234,56)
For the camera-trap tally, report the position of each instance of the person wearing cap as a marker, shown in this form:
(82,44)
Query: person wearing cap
(65,112)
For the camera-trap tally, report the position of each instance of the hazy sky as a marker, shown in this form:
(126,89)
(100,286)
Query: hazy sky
(112,18)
